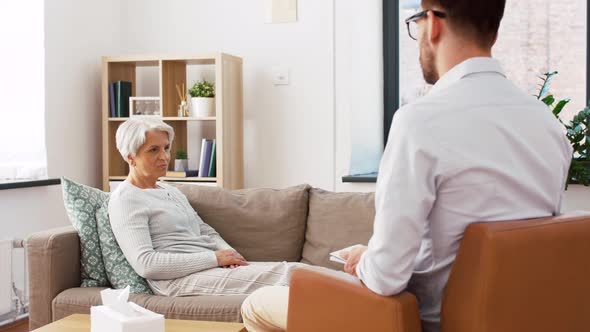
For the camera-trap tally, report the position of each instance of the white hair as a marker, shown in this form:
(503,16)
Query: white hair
(131,134)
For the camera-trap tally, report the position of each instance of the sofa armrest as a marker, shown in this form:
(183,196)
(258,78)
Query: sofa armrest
(332,301)
(53,258)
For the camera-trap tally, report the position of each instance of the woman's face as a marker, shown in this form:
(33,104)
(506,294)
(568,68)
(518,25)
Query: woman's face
(153,156)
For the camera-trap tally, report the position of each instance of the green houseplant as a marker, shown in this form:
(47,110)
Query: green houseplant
(181,161)
(577,131)
(203,99)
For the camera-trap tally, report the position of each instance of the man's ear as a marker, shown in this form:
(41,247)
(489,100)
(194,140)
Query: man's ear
(434,28)
(495,39)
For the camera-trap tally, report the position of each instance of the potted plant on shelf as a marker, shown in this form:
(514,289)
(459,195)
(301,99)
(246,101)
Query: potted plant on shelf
(578,133)
(203,99)
(181,161)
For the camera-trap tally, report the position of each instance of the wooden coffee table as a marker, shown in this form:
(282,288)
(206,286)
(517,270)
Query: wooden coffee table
(81,323)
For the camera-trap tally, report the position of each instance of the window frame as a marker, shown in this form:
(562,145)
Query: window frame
(391,49)
(18,184)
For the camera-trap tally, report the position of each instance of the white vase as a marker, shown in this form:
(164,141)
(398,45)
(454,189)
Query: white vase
(180,165)
(202,107)
(576,198)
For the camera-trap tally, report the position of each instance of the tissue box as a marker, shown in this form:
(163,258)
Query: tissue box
(105,319)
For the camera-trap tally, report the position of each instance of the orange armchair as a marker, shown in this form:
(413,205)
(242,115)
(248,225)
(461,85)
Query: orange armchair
(526,275)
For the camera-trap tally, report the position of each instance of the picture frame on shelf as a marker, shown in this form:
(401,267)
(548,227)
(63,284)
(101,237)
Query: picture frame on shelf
(145,106)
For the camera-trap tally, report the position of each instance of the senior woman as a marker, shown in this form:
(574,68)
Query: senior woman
(160,234)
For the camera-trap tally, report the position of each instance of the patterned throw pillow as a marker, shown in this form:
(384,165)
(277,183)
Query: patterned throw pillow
(119,271)
(81,203)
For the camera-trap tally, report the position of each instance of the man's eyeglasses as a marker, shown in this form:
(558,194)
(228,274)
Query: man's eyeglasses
(412,21)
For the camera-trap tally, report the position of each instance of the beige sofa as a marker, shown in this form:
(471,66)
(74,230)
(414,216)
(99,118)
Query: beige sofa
(294,224)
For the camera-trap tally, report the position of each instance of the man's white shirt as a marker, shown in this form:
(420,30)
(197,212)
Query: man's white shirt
(475,149)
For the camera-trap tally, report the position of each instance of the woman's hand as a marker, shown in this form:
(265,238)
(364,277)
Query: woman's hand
(229,258)
(230,266)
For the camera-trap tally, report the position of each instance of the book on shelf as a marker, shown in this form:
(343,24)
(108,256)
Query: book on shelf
(122,93)
(202,157)
(112,110)
(207,145)
(185,174)
(213,161)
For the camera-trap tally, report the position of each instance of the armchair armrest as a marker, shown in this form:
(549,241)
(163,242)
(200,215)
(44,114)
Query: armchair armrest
(53,258)
(332,301)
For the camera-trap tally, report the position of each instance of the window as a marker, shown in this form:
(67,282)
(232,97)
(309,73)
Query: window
(541,36)
(22,91)
(536,36)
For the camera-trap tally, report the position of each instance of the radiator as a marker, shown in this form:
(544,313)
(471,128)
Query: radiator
(13,281)
(5,276)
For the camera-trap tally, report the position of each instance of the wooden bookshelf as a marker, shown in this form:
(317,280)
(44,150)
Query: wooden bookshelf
(226,127)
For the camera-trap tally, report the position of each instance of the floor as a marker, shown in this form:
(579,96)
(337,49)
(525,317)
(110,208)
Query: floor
(20,326)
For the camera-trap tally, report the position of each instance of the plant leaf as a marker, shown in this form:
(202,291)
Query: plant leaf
(549,100)
(560,105)
(546,83)
(579,172)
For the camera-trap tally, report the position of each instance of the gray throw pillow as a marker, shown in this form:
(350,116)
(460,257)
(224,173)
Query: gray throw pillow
(119,271)
(81,203)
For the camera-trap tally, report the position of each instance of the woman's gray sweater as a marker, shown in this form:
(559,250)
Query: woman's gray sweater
(159,232)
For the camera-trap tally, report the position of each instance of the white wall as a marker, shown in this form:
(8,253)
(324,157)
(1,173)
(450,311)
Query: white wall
(293,134)
(279,150)
(77,34)
(288,130)
(576,198)
(298,133)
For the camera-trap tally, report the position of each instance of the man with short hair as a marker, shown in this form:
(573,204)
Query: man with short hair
(474,149)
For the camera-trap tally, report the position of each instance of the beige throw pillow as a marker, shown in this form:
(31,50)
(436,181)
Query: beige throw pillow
(336,221)
(261,224)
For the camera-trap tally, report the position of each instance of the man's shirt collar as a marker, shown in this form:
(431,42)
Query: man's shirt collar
(468,67)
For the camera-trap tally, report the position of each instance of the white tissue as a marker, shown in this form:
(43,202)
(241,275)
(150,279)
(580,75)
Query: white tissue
(116,299)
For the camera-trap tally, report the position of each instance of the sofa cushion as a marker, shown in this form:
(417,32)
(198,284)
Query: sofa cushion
(81,203)
(119,271)
(336,221)
(261,224)
(211,308)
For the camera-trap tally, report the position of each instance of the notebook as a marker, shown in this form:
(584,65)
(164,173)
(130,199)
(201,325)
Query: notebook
(335,256)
